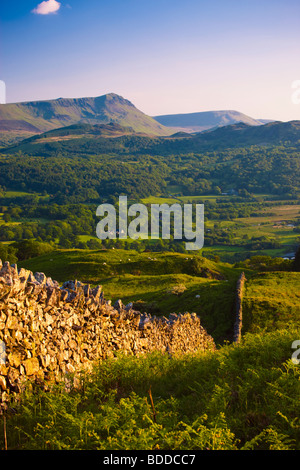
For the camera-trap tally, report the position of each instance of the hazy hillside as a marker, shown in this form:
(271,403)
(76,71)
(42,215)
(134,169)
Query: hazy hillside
(87,138)
(80,130)
(29,118)
(241,134)
(19,121)
(197,122)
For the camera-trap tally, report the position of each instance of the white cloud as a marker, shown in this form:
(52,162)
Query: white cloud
(47,7)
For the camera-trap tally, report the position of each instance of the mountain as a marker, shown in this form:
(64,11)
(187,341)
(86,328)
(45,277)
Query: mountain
(76,131)
(19,121)
(197,122)
(238,135)
(22,120)
(105,138)
(243,135)
(265,121)
(86,163)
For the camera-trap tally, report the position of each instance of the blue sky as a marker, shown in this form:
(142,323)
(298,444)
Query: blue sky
(165,56)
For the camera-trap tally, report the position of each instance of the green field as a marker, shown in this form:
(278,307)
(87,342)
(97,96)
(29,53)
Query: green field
(271,301)
(159,200)
(163,283)
(149,280)
(242,397)
(272,229)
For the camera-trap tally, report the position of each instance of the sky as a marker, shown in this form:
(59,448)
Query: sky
(165,56)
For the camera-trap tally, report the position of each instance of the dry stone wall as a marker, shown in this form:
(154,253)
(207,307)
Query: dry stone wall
(237,334)
(48,331)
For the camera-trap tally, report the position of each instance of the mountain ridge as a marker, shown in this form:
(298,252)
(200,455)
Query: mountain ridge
(201,121)
(19,121)
(35,117)
(111,137)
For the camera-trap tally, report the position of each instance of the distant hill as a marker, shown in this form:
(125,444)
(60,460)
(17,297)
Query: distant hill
(241,134)
(197,122)
(82,163)
(85,130)
(21,120)
(103,138)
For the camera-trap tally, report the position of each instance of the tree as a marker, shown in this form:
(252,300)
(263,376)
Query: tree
(7,218)
(8,253)
(296,263)
(27,249)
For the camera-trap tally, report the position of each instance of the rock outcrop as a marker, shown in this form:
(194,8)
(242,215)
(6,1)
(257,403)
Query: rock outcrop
(48,331)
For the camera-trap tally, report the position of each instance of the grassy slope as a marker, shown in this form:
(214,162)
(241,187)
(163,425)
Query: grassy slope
(240,397)
(52,114)
(149,277)
(205,120)
(271,301)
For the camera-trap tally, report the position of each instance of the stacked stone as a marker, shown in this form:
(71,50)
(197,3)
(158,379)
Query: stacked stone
(48,331)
